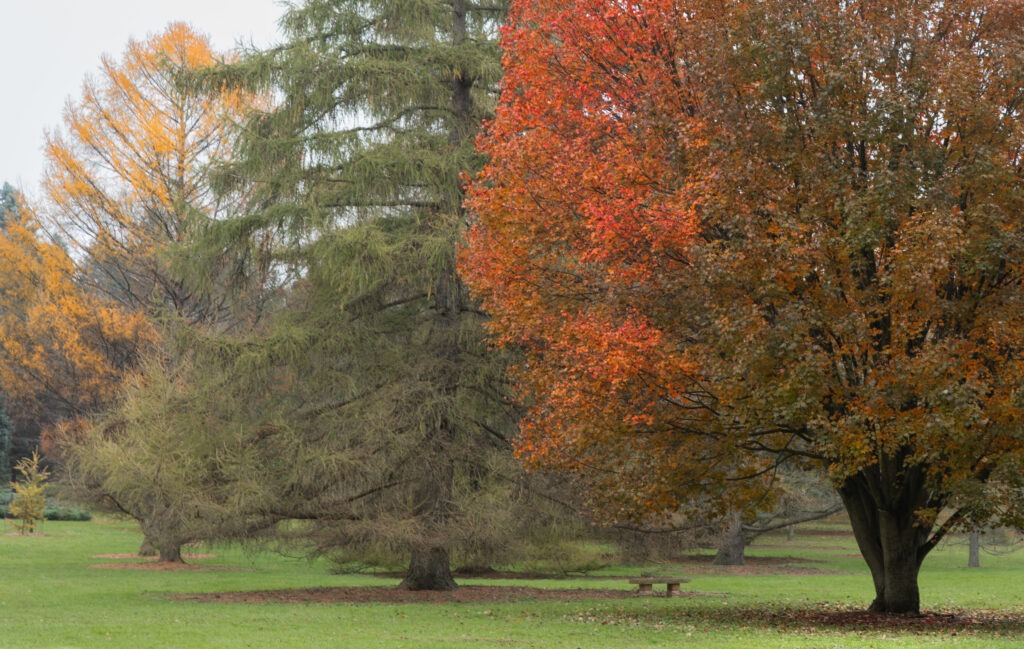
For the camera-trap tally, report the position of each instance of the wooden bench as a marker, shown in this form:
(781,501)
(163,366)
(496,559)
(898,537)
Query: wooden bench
(645,585)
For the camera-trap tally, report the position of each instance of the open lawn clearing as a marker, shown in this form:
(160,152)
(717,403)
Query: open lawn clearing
(53,597)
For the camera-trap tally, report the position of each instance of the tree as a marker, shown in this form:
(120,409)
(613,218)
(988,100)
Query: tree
(804,496)
(9,200)
(29,502)
(6,433)
(740,235)
(150,452)
(125,181)
(8,206)
(126,190)
(63,350)
(383,417)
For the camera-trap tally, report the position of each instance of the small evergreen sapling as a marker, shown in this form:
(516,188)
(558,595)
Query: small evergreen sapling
(29,502)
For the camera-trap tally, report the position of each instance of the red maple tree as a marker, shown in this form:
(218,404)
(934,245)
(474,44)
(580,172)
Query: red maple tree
(727,235)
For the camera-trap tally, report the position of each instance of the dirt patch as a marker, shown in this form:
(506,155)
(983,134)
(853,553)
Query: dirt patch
(701,564)
(750,560)
(395,595)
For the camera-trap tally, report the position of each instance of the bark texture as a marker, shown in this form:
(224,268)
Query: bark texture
(883,511)
(429,569)
(170,554)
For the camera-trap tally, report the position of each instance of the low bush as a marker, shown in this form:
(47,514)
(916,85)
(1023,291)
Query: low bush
(54,511)
(59,512)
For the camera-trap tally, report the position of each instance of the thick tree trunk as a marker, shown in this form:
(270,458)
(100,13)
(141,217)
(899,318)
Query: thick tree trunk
(733,544)
(889,537)
(156,543)
(170,554)
(429,569)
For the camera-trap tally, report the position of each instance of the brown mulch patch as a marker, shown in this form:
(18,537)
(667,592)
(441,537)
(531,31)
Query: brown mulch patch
(395,595)
(701,564)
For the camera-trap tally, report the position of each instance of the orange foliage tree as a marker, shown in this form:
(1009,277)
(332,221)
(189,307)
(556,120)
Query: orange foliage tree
(727,235)
(126,178)
(62,350)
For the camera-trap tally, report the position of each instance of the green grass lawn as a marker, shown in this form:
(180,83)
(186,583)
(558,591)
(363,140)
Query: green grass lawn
(51,596)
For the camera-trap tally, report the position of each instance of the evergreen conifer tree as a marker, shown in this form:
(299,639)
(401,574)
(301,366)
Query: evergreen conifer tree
(383,417)
(8,207)
(8,203)
(6,432)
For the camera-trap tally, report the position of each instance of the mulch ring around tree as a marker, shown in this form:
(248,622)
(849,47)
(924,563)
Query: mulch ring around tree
(395,595)
(701,564)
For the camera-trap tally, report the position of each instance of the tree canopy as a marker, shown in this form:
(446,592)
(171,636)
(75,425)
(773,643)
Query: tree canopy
(731,235)
(126,177)
(63,350)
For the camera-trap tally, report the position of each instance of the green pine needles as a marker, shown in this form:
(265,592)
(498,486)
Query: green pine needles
(370,409)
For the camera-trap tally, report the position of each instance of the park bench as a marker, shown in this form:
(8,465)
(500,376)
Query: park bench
(645,585)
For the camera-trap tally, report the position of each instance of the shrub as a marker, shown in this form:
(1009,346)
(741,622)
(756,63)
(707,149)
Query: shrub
(29,502)
(66,513)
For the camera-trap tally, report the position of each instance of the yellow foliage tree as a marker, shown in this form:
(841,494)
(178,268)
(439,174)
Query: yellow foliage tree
(62,349)
(124,184)
(126,178)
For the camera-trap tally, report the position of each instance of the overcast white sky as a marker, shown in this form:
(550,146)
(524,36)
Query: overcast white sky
(48,46)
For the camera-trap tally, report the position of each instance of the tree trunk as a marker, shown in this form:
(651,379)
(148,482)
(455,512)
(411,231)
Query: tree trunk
(155,542)
(170,554)
(733,544)
(429,569)
(889,537)
(147,549)
(974,553)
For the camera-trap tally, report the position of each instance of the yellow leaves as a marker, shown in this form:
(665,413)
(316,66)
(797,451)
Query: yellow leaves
(59,344)
(133,154)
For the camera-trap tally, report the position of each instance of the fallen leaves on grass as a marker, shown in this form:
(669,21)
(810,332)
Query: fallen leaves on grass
(823,618)
(949,622)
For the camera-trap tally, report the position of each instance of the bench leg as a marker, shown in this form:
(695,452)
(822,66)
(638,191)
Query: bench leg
(645,589)
(673,590)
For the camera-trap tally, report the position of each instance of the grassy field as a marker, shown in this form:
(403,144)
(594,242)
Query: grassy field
(52,596)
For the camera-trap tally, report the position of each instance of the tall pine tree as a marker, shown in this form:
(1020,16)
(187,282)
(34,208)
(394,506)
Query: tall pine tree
(384,413)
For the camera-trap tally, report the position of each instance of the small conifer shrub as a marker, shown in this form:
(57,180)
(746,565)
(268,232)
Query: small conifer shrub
(29,502)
